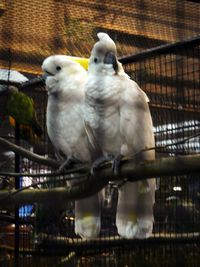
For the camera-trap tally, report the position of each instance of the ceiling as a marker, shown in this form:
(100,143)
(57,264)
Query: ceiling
(33,30)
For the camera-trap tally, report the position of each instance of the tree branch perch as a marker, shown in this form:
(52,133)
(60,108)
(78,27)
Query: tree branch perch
(164,167)
(29,155)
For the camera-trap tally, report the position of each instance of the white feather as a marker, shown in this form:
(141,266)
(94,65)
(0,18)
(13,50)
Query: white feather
(66,129)
(117,111)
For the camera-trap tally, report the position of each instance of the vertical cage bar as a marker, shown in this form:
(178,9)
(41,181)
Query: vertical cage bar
(17,186)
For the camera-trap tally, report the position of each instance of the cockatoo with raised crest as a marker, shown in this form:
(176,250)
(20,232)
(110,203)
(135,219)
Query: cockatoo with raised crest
(117,111)
(65,83)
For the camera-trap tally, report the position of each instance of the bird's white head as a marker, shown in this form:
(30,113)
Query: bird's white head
(60,70)
(59,64)
(104,54)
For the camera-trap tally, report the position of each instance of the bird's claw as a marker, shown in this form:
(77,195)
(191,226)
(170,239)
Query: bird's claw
(100,161)
(68,163)
(116,164)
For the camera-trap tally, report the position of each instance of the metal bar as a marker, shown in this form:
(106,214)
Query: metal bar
(163,49)
(17,186)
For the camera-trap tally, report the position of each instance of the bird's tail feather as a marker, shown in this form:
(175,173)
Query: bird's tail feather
(87,217)
(134,218)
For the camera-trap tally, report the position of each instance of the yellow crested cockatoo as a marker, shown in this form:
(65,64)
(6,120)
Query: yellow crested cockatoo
(65,81)
(117,111)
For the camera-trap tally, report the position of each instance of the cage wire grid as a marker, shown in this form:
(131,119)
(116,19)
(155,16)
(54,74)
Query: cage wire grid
(171,80)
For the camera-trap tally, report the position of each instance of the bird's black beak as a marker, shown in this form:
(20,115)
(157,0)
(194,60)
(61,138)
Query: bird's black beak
(46,74)
(110,58)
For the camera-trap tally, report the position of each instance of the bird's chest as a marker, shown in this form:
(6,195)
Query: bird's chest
(63,127)
(105,114)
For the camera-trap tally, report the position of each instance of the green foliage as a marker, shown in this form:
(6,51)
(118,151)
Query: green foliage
(20,107)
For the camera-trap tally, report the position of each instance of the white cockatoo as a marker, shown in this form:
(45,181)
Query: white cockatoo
(117,111)
(65,81)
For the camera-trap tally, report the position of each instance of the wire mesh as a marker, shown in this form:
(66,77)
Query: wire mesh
(33,30)
(168,80)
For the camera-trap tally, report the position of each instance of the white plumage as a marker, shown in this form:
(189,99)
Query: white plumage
(65,126)
(117,111)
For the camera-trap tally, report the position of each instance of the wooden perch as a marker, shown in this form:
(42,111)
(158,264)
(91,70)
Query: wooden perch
(133,171)
(75,244)
(37,158)
(62,245)
(29,155)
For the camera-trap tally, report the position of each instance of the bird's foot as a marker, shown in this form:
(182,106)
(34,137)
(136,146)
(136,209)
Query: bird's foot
(68,163)
(99,162)
(116,164)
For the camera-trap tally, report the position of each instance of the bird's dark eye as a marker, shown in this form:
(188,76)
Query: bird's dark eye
(95,60)
(58,68)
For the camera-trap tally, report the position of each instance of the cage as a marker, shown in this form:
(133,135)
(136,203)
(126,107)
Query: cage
(159,47)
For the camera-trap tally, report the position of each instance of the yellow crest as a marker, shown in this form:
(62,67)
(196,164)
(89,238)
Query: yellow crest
(81,60)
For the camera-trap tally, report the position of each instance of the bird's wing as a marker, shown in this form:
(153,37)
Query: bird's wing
(136,126)
(93,145)
(134,217)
